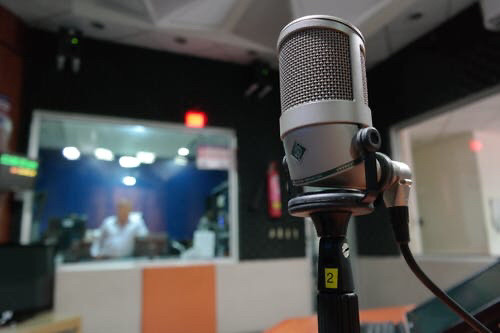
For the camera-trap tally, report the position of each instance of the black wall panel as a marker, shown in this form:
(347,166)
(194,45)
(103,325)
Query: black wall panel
(123,81)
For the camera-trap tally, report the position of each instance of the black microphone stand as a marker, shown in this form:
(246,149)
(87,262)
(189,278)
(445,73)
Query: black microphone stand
(330,211)
(337,303)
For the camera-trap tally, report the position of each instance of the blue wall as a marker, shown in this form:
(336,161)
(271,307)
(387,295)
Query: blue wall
(171,197)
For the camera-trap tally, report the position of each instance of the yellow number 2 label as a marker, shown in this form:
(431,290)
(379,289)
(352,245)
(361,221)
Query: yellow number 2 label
(331,278)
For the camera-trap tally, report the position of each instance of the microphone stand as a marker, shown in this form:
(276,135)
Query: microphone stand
(330,211)
(337,303)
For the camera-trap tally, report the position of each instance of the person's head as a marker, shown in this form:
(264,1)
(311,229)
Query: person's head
(123,209)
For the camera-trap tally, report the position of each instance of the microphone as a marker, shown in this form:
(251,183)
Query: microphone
(324,101)
(330,144)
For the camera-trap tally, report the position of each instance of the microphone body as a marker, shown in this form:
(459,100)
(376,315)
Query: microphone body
(324,101)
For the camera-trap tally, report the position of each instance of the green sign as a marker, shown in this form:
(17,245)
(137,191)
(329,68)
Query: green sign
(18,161)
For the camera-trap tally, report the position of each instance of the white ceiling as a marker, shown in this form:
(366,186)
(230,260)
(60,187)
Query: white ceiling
(233,30)
(402,30)
(482,115)
(124,139)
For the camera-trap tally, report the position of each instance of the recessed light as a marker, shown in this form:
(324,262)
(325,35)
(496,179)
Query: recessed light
(129,180)
(183,151)
(415,16)
(103,154)
(71,153)
(129,162)
(146,157)
(180,40)
(97,25)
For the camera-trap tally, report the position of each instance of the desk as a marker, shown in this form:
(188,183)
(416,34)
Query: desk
(47,322)
(172,295)
(310,324)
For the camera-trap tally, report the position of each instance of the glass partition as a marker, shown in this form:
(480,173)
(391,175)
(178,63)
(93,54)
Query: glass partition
(115,189)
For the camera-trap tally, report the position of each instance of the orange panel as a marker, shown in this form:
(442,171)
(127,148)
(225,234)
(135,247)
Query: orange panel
(179,300)
(310,324)
(394,314)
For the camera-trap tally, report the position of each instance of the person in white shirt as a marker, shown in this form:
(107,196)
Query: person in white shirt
(117,233)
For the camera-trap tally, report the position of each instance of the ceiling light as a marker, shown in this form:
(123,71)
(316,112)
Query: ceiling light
(71,153)
(183,151)
(146,157)
(129,162)
(129,180)
(104,154)
(179,160)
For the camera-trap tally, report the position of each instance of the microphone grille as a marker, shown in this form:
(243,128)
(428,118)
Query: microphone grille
(363,72)
(315,65)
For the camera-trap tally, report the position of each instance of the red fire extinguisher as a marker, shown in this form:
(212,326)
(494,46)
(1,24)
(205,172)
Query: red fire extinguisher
(273,191)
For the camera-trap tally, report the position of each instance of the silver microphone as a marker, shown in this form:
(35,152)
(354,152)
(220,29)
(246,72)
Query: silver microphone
(325,126)
(324,101)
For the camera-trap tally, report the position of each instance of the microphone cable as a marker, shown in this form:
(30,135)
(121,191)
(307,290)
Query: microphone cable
(400,226)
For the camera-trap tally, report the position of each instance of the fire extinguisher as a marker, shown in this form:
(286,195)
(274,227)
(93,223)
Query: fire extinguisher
(273,191)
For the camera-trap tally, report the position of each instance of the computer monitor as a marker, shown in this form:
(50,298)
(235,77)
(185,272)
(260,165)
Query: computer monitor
(26,281)
(65,232)
(472,294)
(152,245)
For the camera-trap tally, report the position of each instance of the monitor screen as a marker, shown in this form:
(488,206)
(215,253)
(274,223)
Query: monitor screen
(472,294)
(27,279)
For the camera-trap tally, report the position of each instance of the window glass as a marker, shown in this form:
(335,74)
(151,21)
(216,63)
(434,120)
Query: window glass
(108,189)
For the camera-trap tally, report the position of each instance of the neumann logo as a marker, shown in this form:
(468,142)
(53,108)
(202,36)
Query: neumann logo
(298,151)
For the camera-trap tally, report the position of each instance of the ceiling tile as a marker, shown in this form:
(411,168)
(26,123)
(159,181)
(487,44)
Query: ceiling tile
(212,13)
(377,48)
(403,30)
(262,23)
(134,7)
(162,8)
(349,10)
